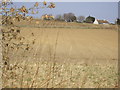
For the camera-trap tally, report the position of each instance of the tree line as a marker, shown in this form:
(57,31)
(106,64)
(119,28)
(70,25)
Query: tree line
(70,17)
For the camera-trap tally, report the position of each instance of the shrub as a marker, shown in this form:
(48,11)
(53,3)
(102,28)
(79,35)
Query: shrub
(90,19)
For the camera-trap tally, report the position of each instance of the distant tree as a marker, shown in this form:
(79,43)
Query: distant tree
(73,18)
(59,17)
(66,18)
(90,19)
(81,18)
(69,17)
(118,21)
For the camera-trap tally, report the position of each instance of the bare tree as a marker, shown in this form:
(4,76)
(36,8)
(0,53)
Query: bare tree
(69,17)
(59,17)
(81,18)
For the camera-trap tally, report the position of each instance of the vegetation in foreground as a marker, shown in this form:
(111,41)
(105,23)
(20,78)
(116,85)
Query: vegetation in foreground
(44,74)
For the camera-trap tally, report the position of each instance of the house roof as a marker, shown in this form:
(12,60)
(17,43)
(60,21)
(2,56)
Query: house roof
(102,21)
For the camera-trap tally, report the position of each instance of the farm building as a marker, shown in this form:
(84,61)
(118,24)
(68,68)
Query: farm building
(96,22)
(100,22)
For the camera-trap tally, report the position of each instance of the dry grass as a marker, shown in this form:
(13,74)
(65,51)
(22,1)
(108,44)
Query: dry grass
(39,74)
(62,24)
(64,58)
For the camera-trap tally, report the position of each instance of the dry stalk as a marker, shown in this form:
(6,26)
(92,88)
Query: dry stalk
(22,76)
(48,76)
(59,84)
(35,75)
(54,58)
(84,80)
(56,42)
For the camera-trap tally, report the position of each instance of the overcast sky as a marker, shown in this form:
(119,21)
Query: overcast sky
(100,10)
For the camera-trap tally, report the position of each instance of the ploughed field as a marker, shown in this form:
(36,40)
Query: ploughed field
(76,45)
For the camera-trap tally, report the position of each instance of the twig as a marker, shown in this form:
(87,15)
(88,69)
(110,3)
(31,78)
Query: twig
(35,76)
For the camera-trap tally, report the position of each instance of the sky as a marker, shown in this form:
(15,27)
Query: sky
(99,10)
(66,0)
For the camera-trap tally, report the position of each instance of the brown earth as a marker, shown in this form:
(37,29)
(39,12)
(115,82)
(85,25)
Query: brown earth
(81,45)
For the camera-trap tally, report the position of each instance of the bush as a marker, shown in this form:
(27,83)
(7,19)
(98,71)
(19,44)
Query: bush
(90,19)
(118,21)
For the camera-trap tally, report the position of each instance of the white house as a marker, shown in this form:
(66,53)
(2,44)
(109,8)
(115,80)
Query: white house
(96,22)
